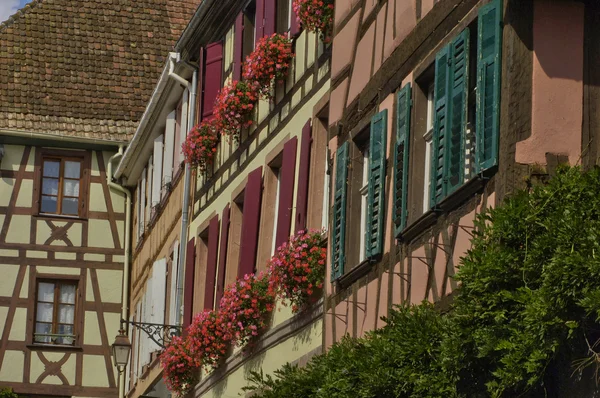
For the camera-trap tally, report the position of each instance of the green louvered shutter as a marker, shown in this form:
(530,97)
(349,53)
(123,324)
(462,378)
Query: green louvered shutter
(376,193)
(489,46)
(437,186)
(339,213)
(401,159)
(457,107)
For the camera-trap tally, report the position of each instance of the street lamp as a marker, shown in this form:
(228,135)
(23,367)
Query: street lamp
(121,349)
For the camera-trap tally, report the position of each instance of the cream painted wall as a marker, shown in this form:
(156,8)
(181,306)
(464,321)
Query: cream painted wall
(9,278)
(12,157)
(93,378)
(92,329)
(289,350)
(12,366)
(19,325)
(18,230)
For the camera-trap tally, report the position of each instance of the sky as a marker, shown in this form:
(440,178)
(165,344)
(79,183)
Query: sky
(9,7)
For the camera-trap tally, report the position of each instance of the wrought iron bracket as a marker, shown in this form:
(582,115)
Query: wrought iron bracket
(160,334)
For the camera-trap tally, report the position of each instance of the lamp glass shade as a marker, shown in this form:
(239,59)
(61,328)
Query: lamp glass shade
(121,349)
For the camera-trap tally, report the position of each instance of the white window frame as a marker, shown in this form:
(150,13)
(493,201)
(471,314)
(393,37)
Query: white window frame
(275,218)
(364,203)
(428,137)
(326,193)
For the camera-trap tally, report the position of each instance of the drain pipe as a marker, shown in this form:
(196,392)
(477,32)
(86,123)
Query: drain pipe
(125,297)
(186,192)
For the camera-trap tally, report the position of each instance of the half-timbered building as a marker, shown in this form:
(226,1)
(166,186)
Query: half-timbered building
(438,110)
(152,167)
(258,191)
(74,81)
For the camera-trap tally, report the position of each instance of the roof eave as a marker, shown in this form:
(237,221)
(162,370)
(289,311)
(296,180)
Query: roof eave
(155,105)
(210,23)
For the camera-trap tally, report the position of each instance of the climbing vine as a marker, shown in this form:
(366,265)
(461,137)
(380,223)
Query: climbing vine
(524,319)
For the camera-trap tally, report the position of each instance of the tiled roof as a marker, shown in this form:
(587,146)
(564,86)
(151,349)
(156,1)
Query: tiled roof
(85,67)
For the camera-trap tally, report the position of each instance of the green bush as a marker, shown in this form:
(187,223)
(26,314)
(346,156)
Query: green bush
(527,308)
(7,393)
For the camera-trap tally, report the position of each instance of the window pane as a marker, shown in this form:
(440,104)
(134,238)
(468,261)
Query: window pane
(67,294)
(49,204)
(44,312)
(51,168)
(50,186)
(46,292)
(71,187)
(43,328)
(70,206)
(66,314)
(72,169)
(66,330)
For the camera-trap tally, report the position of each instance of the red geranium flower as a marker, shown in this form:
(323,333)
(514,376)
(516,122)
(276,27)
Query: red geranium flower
(270,61)
(200,145)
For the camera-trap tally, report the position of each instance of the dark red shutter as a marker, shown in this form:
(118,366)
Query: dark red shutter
(213,74)
(238,47)
(188,296)
(295,24)
(270,17)
(211,263)
(302,195)
(259,20)
(250,220)
(286,191)
(223,257)
(199,90)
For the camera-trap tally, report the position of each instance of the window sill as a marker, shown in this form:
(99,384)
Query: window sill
(356,273)
(59,217)
(451,202)
(53,347)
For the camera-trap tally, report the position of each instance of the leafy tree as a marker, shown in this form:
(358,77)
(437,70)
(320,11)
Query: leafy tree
(525,315)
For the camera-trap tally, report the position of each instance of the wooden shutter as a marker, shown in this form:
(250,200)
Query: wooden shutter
(222,254)
(169,147)
(303,173)
(259,21)
(213,76)
(200,88)
(188,292)
(436,188)
(158,296)
(286,192)
(339,213)
(173,310)
(238,47)
(401,154)
(457,115)
(489,36)
(142,207)
(270,17)
(211,263)
(157,170)
(376,193)
(250,222)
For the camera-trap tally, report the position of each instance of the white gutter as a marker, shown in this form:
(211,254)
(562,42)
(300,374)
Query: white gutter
(150,108)
(186,195)
(125,297)
(58,137)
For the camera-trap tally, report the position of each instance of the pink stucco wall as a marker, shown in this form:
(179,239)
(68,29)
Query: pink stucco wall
(343,46)
(557,110)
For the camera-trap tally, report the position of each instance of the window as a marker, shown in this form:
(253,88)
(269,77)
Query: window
(364,192)
(277,192)
(466,104)
(249,36)
(55,312)
(428,137)
(61,182)
(283,22)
